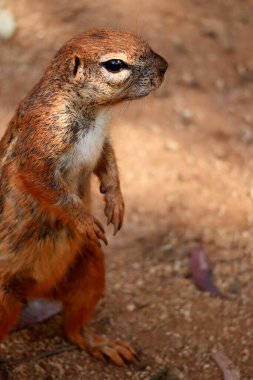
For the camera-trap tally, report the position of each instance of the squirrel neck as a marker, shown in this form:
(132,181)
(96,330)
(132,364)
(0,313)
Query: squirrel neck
(82,107)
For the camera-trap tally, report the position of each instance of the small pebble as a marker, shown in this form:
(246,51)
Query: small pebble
(158,360)
(131,307)
(241,69)
(172,145)
(189,80)
(179,344)
(217,29)
(186,116)
(179,45)
(7,24)
(246,134)
(234,286)
(219,83)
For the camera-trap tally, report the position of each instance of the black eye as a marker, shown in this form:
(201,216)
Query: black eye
(114,65)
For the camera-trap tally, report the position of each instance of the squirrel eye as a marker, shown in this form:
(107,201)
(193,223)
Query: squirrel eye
(114,65)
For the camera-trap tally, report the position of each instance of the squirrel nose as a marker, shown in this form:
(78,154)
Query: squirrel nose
(162,65)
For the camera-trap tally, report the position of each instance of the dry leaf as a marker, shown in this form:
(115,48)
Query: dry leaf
(226,366)
(201,273)
(37,311)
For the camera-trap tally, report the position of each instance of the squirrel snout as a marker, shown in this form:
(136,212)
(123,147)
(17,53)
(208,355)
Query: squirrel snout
(162,65)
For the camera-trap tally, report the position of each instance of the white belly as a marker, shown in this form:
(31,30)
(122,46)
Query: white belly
(88,148)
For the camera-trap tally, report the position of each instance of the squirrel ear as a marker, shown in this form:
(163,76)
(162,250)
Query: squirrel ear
(76,64)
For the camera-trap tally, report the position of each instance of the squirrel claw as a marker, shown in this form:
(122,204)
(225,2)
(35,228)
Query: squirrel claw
(114,211)
(120,353)
(93,230)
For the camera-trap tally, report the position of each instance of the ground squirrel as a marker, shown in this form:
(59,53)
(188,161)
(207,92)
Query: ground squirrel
(49,240)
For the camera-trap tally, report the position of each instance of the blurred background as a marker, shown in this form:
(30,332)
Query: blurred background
(185,155)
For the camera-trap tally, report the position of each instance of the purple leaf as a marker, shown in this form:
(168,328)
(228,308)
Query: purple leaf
(201,273)
(37,311)
(226,366)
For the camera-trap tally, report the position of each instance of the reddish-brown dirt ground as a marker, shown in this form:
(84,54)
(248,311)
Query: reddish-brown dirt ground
(186,160)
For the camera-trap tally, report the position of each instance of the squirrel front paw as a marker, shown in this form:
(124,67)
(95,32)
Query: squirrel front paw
(114,209)
(93,229)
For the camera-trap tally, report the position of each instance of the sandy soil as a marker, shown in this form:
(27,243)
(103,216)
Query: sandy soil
(186,159)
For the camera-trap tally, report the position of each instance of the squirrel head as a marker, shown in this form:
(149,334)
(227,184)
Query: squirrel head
(106,67)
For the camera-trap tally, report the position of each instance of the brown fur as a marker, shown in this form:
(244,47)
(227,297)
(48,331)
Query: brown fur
(49,240)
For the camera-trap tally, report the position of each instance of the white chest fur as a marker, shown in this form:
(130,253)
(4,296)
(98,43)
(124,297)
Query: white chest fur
(87,149)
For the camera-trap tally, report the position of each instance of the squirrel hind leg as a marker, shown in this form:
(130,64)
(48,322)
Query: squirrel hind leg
(10,309)
(80,293)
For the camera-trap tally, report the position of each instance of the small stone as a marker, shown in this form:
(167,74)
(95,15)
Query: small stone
(177,267)
(186,116)
(246,134)
(7,24)
(172,145)
(131,307)
(219,83)
(241,69)
(186,314)
(166,247)
(234,286)
(189,80)
(139,283)
(136,266)
(163,317)
(179,344)
(217,29)
(158,360)
(117,286)
(179,45)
